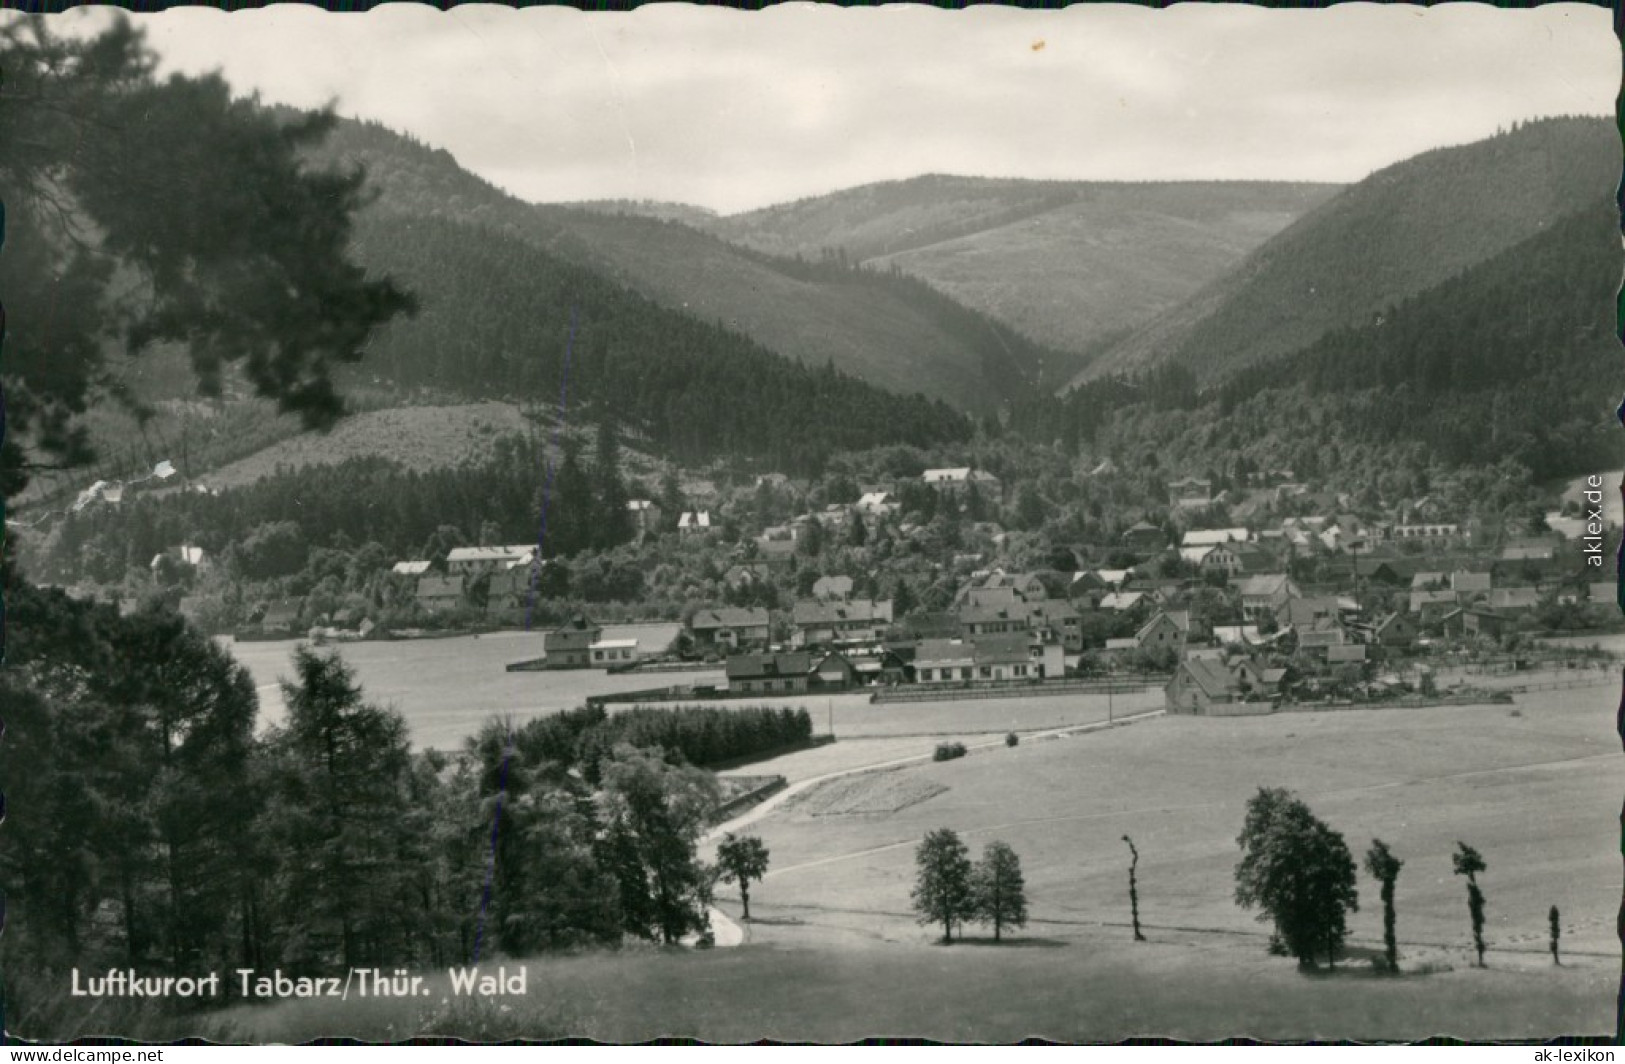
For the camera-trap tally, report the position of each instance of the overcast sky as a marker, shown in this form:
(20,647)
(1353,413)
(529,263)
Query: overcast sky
(733,110)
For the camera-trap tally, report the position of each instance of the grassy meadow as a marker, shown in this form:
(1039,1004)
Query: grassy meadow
(1531,786)
(835,954)
(819,986)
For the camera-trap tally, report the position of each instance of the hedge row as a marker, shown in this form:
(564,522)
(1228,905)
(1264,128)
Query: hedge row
(701,735)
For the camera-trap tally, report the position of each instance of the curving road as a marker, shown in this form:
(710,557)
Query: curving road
(728,933)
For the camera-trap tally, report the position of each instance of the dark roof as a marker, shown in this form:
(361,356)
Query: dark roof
(1004,649)
(1053,610)
(1016,611)
(1215,680)
(1012,580)
(860,611)
(1145,629)
(1263,584)
(822,659)
(933,650)
(762,666)
(280,613)
(1303,611)
(730,617)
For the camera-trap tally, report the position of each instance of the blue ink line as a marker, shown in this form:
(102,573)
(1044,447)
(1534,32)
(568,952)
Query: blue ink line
(547,486)
(491,864)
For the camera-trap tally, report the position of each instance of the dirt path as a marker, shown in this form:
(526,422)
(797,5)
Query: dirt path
(723,929)
(755,813)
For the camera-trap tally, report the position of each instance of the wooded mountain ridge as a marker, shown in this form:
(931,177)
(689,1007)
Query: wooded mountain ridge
(1069,263)
(1399,232)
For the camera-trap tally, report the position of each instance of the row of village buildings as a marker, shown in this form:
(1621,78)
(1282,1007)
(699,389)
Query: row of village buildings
(1031,627)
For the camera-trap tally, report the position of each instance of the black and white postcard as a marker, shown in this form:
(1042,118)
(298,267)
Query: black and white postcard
(811,525)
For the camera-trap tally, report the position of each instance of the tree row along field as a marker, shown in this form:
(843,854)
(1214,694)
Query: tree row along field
(1530,791)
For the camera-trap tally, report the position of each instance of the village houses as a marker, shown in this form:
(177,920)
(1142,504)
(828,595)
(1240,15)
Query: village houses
(861,620)
(730,627)
(569,646)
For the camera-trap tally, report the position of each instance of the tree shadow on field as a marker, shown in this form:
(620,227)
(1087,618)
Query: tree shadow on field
(1009,943)
(1360,962)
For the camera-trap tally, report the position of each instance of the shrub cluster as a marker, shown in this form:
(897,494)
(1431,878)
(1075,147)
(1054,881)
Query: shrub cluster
(703,735)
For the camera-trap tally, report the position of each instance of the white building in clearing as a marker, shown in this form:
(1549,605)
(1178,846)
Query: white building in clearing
(1212,559)
(959,479)
(877,504)
(1213,537)
(471,561)
(607,653)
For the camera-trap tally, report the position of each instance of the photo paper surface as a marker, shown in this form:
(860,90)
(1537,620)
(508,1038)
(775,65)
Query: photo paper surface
(810,525)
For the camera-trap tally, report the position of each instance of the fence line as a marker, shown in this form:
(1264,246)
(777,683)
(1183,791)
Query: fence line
(921,693)
(1563,685)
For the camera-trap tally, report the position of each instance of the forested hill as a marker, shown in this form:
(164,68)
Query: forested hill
(495,321)
(1069,263)
(1515,359)
(888,330)
(1395,234)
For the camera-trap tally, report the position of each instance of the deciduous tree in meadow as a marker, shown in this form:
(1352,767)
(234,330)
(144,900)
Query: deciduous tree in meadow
(1298,872)
(743,860)
(998,891)
(942,886)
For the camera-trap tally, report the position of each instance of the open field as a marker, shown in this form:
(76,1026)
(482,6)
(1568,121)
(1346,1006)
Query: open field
(1535,793)
(836,955)
(853,716)
(418,437)
(447,687)
(1095,987)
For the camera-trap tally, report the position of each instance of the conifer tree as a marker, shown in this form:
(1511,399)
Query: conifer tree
(342,818)
(614,522)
